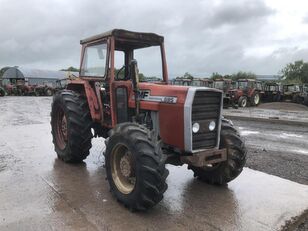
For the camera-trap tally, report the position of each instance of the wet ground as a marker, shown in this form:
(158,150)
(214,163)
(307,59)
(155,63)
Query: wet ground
(277,111)
(39,192)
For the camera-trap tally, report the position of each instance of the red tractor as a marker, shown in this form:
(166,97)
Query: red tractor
(146,125)
(225,85)
(247,92)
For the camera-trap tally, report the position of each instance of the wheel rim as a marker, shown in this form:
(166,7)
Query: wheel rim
(244,102)
(122,169)
(61,136)
(257,98)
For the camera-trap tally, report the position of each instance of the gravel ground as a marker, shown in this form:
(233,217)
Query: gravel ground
(284,106)
(285,165)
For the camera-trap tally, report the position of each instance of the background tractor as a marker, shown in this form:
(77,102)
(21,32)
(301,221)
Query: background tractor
(272,92)
(291,92)
(146,125)
(225,85)
(247,92)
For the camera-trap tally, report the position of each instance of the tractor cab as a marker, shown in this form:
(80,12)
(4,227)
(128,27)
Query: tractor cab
(225,85)
(272,92)
(291,92)
(201,82)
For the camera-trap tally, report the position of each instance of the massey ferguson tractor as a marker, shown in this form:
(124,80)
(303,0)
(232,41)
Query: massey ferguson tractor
(146,125)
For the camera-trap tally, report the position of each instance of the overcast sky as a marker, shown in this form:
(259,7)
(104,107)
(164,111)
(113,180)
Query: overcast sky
(201,37)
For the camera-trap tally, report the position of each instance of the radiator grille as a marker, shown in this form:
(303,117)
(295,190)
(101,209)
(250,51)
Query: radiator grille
(205,108)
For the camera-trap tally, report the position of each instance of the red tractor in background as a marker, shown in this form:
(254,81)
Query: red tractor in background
(247,92)
(225,85)
(146,125)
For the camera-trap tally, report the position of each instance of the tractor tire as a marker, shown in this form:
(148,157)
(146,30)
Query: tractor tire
(255,99)
(71,126)
(225,172)
(2,92)
(48,92)
(135,166)
(306,100)
(277,98)
(243,101)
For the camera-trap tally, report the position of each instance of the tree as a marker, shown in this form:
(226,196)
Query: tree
(243,75)
(296,72)
(74,69)
(187,76)
(216,75)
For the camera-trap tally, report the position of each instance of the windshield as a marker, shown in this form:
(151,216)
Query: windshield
(219,85)
(291,88)
(149,64)
(196,83)
(242,84)
(94,60)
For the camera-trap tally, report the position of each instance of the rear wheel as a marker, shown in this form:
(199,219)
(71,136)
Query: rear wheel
(255,99)
(242,102)
(71,126)
(225,172)
(135,166)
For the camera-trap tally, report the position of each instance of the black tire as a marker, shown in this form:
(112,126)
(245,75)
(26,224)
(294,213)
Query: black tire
(306,100)
(148,166)
(243,101)
(48,92)
(225,172)
(73,108)
(255,99)
(2,92)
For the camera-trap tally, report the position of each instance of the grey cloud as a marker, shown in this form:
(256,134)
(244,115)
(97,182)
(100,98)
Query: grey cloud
(201,37)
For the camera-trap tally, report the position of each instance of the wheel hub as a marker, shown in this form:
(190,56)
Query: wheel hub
(122,169)
(125,166)
(64,127)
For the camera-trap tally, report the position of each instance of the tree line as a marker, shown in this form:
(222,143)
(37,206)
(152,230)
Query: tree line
(296,72)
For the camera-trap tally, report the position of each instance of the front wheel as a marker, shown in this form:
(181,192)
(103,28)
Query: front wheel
(242,102)
(224,172)
(135,166)
(71,126)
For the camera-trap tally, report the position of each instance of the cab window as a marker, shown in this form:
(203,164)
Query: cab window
(94,60)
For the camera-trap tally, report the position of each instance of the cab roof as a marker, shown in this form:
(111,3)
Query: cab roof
(119,34)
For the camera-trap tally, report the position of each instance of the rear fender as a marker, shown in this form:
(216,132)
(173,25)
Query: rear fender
(91,93)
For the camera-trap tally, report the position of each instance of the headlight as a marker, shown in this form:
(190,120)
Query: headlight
(195,127)
(212,125)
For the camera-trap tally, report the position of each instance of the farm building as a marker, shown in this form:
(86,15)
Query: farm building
(269,77)
(34,76)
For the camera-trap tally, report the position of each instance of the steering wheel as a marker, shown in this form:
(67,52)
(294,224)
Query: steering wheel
(119,71)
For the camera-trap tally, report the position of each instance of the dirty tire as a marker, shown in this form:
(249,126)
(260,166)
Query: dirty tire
(75,108)
(242,102)
(277,98)
(2,92)
(48,92)
(226,171)
(148,166)
(255,99)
